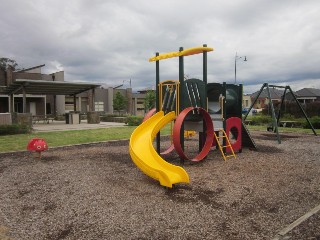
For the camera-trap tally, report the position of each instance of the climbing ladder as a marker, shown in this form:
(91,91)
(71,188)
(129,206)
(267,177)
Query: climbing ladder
(221,147)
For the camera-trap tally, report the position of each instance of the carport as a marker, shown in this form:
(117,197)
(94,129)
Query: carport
(41,87)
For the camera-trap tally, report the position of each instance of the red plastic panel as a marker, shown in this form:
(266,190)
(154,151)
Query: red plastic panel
(234,122)
(209,136)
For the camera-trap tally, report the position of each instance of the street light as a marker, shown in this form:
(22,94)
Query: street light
(236,58)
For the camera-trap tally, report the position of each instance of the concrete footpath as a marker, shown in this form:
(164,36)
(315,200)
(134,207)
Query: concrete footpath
(62,126)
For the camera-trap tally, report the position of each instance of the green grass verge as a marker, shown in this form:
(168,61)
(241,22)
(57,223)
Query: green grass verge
(283,129)
(19,142)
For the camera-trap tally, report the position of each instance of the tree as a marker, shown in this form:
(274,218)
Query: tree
(119,102)
(150,100)
(6,62)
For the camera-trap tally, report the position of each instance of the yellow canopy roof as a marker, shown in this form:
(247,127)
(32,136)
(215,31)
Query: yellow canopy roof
(187,52)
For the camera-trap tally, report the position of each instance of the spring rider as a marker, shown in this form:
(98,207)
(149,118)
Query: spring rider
(38,145)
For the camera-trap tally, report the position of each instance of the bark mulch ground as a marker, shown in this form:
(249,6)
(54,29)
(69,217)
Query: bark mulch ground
(95,191)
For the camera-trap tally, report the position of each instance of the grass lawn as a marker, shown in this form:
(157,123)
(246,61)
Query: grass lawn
(19,142)
(284,129)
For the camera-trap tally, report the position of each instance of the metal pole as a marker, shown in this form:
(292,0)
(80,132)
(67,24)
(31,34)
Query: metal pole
(235,69)
(274,120)
(281,104)
(157,99)
(181,80)
(304,113)
(205,80)
(254,101)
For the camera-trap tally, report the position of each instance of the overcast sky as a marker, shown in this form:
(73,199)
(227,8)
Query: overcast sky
(110,42)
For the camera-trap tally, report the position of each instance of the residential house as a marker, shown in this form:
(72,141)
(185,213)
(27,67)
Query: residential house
(246,101)
(305,95)
(263,98)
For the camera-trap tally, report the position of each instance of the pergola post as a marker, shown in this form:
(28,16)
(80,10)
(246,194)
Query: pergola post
(24,100)
(92,100)
(11,104)
(74,103)
(55,105)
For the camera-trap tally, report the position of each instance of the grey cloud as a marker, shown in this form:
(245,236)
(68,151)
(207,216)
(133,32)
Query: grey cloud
(111,41)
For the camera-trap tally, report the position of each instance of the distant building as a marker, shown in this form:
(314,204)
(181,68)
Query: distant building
(246,101)
(91,97)
(305,95)
(263,98)
(37,104)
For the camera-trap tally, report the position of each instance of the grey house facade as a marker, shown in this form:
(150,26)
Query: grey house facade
(91,97)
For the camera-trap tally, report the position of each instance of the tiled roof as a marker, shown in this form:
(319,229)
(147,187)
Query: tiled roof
(308,92)
(274,93)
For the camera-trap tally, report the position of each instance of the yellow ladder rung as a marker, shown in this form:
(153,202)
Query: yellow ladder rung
(224,135)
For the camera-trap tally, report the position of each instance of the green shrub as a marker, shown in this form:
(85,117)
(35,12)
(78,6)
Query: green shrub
(108,118)
(261,120)
(14,129)
(134,120)
(288,117)
(315,121)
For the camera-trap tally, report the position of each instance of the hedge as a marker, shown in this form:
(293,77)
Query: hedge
(315,121)
(14,129)
(134,120)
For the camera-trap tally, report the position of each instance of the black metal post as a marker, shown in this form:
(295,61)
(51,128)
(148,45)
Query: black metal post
(157,99)
(205,80)
(304,113)
(181,80)
(235,69)
(74,103)
(281,104)
(224,94)
(254,101)
(275,125)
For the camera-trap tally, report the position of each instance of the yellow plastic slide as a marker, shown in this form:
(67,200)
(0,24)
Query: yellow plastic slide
(146,157)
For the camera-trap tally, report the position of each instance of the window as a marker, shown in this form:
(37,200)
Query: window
(99,106)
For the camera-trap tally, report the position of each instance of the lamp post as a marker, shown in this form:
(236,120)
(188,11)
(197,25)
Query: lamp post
(236,58)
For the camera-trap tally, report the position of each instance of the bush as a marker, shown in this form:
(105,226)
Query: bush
(315,121)
(134,120)
(261,120)
(114,118)
(14,129)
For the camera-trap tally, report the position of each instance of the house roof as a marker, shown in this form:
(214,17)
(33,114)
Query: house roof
(28,69)
(274,93)
(42,87)
(308,92)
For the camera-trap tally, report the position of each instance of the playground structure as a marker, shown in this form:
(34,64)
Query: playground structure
(276,119)
(211,109)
